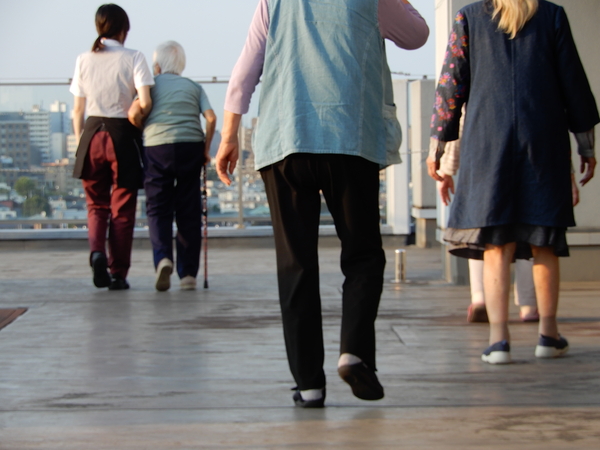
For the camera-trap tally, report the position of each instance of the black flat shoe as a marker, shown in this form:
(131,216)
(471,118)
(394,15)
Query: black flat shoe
(299,401)
(118,284)
(99,266)
(362,380)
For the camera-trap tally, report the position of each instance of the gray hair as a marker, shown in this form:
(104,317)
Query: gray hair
(170,57)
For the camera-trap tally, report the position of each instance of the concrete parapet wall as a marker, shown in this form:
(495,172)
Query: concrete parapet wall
(251,237)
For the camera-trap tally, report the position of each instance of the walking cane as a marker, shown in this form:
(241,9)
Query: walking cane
(205,226)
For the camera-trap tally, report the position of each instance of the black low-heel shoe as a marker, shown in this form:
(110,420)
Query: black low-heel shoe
(299,401)
(362,380)
(99,266)
(118,284)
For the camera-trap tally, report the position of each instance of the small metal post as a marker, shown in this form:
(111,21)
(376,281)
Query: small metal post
(400,266)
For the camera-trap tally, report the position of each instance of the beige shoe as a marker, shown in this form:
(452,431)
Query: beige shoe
(163,274)
(188,283)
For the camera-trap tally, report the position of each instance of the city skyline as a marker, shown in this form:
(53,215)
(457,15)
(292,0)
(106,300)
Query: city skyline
(43,45)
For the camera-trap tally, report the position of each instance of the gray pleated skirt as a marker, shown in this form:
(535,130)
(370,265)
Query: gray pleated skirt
(471,242)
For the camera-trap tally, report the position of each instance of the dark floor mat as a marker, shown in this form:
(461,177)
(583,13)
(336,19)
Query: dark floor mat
(8,315)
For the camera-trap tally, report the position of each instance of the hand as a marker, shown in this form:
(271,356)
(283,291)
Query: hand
(574,190)
(588,165)
(226,160)
(432,168)
(445,187)
(207,157)
(135,115)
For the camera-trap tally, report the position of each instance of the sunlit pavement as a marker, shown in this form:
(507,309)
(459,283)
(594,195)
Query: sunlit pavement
(86,368)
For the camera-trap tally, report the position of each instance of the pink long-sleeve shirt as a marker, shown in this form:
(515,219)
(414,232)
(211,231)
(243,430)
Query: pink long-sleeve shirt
(398,21)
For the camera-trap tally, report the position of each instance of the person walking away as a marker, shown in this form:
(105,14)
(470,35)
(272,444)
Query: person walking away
(109,152)
(321,128)
(175,150)
(516,63)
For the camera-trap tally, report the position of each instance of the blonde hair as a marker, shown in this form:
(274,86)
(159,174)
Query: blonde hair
(513,14)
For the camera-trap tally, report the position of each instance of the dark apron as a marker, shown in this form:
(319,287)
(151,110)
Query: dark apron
(127,140)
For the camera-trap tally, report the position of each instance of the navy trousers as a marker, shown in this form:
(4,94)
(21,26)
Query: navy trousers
(172,184)
(350,185)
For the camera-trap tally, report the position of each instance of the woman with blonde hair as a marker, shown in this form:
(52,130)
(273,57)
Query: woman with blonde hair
(516,64)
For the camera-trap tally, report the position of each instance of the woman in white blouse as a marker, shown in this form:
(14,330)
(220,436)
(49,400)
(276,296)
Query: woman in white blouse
(106,81)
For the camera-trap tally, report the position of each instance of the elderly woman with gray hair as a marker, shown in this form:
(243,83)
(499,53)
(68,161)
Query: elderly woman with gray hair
(176,148)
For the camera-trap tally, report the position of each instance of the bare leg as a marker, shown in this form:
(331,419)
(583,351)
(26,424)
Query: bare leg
(546,274)
(476,277)
(496,283)
(525,290)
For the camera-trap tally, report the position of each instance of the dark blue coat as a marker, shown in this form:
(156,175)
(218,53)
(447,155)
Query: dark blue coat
(524,95)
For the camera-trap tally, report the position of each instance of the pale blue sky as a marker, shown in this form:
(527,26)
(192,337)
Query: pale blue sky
(40,39)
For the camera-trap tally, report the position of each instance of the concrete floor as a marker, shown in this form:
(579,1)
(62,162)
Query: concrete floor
(86,368)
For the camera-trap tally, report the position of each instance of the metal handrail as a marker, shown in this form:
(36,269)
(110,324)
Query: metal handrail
(209,80)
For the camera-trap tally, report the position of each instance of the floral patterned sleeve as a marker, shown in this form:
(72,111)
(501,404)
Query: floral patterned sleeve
(453,87)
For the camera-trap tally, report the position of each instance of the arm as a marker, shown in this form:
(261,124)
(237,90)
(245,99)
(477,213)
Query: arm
(588,166)
(211,124)
(145,100)
(445,157)
(141,107)
(78,116)
(248,69)
(228,153)
(450,161)
(402,24)
(244,78)
(451,93)
(143,81)
(448,168)
(574,190)
(135,115)
(585,147)
(78,91)
(436,154)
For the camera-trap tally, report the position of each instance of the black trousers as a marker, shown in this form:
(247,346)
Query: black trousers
(350,185)
(172,184)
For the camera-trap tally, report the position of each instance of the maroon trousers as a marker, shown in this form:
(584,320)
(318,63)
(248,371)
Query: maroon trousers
(109,206)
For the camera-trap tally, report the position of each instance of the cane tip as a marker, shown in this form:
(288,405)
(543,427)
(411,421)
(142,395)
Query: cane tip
(206,284)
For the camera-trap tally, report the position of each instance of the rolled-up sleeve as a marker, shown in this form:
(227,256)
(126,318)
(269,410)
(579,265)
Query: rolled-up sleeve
(248,69)
(402,24)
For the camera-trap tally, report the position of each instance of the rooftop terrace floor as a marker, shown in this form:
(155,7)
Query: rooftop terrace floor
(86,368)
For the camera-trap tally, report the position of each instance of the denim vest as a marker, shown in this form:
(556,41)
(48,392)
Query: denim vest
(323,82)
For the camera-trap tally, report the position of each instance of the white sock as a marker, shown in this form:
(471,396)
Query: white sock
(347,359)
(311,394)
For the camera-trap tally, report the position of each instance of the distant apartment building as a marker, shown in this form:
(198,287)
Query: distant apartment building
(58,177)
(60,120)
(61,127)
(39,134)
(14,141)
(7,213)
(58,146)
(253,197)
(71,148)
(48,131)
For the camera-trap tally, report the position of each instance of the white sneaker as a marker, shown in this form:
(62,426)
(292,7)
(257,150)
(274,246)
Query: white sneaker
(499,353)
(163,274)
(551,348)
(188,283)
